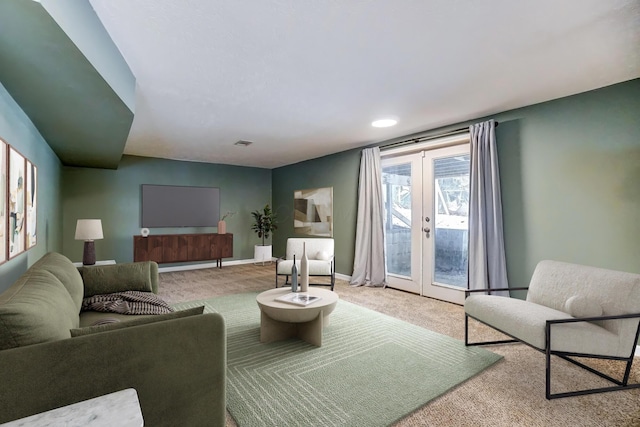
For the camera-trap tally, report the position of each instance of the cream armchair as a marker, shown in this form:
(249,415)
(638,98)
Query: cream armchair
(570,311)
(320,254)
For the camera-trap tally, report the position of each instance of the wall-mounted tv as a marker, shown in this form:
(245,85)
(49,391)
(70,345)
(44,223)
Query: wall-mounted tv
(180,206)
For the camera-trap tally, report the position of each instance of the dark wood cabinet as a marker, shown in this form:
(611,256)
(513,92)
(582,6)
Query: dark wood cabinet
(168,248)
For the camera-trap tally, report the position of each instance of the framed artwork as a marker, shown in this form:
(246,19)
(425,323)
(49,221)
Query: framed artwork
(31,191)
(16,202)
(313,212)
(3,201)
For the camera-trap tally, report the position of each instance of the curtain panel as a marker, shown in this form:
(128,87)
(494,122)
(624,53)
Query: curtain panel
(369,263)
(487,261)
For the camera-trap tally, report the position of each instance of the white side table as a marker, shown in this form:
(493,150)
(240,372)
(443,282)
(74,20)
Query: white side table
(121,409)
(106,262)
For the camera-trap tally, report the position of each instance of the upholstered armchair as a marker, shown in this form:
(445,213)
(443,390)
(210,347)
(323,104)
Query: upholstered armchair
(571,311)
(320,253)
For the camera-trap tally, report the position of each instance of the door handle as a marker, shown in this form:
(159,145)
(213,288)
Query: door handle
(427,230)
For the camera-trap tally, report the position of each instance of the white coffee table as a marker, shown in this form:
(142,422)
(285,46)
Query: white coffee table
(280,320)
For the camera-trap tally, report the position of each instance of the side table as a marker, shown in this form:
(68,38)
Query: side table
(120,408)
(105,262)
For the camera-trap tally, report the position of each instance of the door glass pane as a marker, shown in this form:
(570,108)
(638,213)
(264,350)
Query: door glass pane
(396,190)
(451,194)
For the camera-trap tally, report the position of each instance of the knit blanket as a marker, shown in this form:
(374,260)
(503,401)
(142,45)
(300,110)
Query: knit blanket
(128,302)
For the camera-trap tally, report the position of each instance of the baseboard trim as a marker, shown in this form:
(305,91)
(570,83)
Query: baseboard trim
(232,262)
(343,277)
(637,354)
(205,265)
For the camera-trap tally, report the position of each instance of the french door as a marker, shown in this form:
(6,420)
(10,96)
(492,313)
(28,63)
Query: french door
(426,197)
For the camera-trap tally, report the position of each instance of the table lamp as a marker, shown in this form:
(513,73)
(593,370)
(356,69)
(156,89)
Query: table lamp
(89,230)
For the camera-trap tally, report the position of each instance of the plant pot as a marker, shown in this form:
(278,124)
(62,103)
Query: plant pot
(222,227)
(262,254)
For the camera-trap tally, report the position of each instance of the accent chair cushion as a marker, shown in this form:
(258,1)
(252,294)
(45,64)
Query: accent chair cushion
(580,306)
(316,267)
(527,320)
(312,246)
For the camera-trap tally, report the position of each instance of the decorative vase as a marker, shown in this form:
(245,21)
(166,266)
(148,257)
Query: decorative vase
(304,270)
(222,227)
(294,276)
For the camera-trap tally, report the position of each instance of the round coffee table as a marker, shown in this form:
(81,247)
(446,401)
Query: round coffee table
(281,320)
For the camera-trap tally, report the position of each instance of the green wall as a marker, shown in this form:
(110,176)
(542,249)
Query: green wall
(339,171)
(114,197)
(570,178)
(570,173)
(17,130)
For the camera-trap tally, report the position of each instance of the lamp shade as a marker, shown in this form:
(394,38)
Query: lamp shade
(89,229)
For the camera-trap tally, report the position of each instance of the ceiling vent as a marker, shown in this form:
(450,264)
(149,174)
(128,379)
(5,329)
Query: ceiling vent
(243,143)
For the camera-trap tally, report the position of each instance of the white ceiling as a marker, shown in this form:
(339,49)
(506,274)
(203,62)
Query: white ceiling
(303,79)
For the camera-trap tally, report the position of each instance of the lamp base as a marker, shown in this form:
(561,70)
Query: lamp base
(89,254)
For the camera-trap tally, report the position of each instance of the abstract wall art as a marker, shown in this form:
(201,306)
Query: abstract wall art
(31,200)
(3,201)
(16,202)
(313,212)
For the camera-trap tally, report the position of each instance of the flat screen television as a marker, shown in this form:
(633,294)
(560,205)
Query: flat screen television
(180,206)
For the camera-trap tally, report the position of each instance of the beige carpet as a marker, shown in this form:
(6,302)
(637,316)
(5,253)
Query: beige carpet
(511,393)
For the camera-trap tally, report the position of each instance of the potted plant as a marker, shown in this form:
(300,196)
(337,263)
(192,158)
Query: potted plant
(264,223)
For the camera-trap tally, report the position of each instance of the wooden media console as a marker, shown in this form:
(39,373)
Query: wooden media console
(169,248)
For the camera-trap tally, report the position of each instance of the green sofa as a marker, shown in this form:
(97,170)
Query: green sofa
(176,362)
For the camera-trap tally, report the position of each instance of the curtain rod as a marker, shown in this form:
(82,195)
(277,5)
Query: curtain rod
(426,138)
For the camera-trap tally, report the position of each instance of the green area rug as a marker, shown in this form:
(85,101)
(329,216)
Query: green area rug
(371,370)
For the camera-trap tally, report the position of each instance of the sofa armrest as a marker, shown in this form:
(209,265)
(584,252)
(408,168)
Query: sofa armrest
(132,276)
(177,367)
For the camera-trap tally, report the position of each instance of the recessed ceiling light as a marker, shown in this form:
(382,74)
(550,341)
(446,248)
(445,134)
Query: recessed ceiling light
(384,123)
(243,143)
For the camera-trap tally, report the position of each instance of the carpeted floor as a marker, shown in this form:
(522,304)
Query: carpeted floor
(510,393)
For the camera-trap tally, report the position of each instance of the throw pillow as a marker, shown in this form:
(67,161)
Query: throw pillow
(109,279)
(579,306)
(137,321)
(322,255)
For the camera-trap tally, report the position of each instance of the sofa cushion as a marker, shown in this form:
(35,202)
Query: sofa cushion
(108,279)
(64,270)
(136,321)
(580,306)
(36,308)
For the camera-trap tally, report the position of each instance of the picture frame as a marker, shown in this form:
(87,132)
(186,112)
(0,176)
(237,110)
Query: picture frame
(31,191)
(15,204)
(313,212)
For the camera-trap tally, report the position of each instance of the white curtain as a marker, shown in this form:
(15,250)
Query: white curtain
(368,264)
(487,262)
